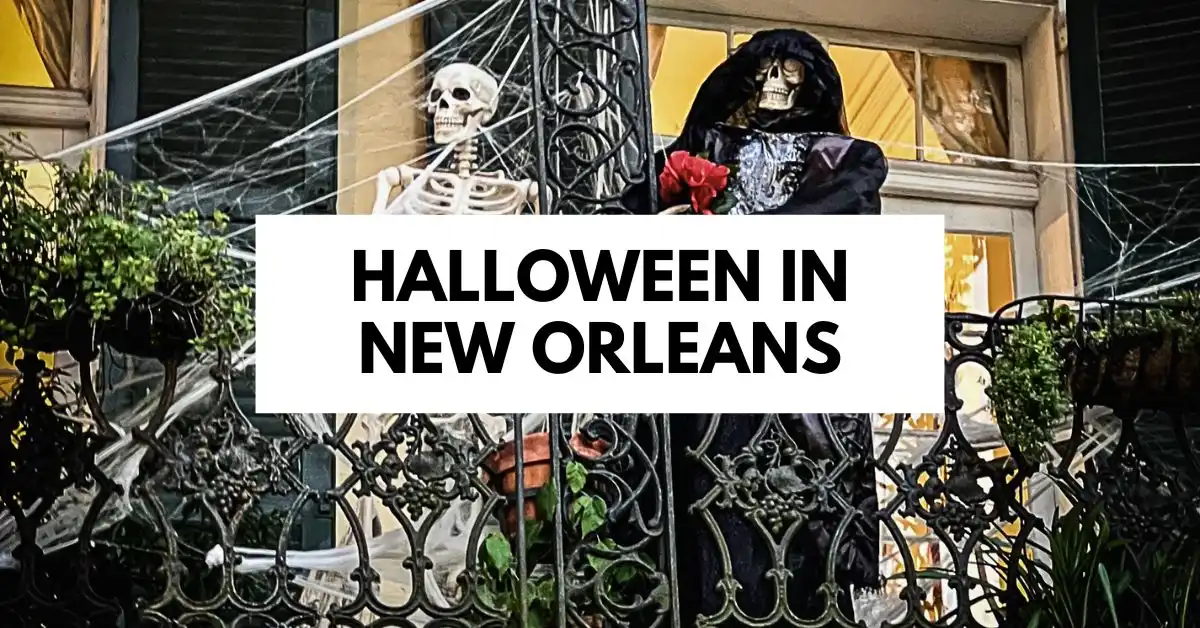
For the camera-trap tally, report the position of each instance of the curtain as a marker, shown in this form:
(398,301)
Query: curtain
(965,101)
(657,37)
(50,23)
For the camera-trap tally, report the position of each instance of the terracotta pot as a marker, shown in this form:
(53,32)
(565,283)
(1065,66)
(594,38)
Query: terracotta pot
(501,471)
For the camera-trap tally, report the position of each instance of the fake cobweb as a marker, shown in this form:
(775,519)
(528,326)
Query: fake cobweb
(309,136)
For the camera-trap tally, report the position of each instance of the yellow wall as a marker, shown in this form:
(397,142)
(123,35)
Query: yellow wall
(688,55)
(20,63)
(384,128)
(879,106)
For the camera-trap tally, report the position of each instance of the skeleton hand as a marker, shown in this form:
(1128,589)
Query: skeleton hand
(534,199)
(387,179)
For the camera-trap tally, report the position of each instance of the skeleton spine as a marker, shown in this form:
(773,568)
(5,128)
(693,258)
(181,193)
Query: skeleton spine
(466,153)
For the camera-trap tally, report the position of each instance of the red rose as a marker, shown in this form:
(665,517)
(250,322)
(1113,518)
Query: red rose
(700,178)
(670,182)
(705,180)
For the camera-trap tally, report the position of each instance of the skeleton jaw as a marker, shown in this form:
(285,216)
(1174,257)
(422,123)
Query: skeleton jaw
(449,128)
(776,98)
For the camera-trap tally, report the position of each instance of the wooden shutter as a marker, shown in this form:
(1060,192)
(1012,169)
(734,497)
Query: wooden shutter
(188,48)
(1135,89)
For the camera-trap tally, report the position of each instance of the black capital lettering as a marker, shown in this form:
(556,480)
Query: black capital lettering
(525,280)
(456,277)
(725,349)
(421,277)
(833,357)
(605,273)
(539,347)
(651,274)
(604,340)
(814,268)
(373,341)
(385,276)
(423,347)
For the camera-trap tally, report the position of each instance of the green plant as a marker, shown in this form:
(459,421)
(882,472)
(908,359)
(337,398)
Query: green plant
(1088,572)
(1028,392)
(97,247)
(1031,389)
(619,579)
(1089,576)
(193,271)
(77,253)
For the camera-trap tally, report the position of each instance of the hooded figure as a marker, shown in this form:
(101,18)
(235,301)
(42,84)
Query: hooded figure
(773,112)
(759,495)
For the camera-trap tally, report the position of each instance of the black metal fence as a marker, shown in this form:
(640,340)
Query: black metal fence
(604,520)
(177,507)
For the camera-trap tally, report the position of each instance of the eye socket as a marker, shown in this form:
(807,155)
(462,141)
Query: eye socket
(792,65)
(435,94)
(460,93)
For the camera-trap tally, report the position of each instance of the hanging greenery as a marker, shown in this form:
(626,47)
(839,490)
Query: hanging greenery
(98,260)
(1123,355)
(616,578)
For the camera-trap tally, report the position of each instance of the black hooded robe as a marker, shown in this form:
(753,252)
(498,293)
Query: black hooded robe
(796,162)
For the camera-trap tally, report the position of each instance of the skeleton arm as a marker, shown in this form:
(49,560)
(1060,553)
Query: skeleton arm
(391,177)
(387,179)
(532,196)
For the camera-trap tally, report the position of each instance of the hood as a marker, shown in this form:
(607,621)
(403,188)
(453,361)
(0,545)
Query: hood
(730,93)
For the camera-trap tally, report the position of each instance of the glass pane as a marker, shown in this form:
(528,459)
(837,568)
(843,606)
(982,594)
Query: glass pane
(965,109)
(685,57)
(979,272)
(740,38)
(879,97)
(37,43)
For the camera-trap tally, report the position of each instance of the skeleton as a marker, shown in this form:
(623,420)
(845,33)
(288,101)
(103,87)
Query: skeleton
(780,80)
(462,99)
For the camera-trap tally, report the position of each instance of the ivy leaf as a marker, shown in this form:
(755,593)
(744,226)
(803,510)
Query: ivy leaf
(600,562)
(588,513)
(576,477)
(498,552)
(533,535)
(544,592)
(534,619)
(547,500)
(661,595)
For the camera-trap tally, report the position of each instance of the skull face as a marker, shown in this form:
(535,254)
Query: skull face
(780,80)
(462,96)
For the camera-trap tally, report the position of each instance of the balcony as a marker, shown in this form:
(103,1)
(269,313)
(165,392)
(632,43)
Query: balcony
(634,520)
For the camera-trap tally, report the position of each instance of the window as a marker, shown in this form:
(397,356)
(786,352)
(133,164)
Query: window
(963,100)
(162,56)
(45,70)
(37,43)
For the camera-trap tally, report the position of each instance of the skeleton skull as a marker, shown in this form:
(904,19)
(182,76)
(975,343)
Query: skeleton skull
(780,80)
(462,96)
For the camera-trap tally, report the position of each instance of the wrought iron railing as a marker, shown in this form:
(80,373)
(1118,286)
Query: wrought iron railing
(173,508)
(612,520)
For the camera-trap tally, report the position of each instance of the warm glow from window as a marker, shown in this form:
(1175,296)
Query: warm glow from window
(878,104)
(979,272)
(20,63)
(688,56)
(964,109)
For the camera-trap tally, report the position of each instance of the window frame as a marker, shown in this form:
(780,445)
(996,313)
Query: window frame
(1010,57)
(61,107)
(972,199)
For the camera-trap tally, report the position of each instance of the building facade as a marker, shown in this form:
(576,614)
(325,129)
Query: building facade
(961,94)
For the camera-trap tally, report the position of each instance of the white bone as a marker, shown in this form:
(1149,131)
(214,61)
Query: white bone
(462,98)
(781,79)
